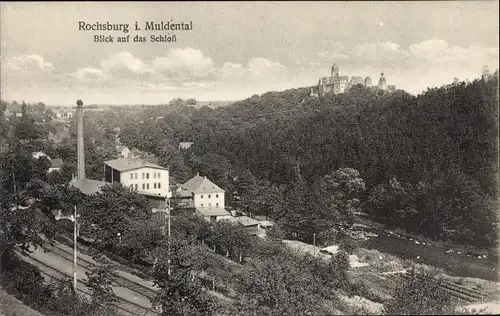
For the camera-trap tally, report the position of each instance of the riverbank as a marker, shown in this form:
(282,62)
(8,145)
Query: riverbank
(455,260)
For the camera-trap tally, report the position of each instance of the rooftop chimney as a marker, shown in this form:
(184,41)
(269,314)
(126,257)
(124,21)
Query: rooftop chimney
(80,145)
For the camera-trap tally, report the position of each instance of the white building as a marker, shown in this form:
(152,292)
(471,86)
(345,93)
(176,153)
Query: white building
(185,145)
(205,197)
(146,178)
(55,164)
(123,152)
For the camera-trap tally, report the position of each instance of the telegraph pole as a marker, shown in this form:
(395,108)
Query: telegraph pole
(168,228)
(75,232)
(314,243)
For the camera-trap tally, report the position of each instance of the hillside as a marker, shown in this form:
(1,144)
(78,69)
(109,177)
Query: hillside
(434,153)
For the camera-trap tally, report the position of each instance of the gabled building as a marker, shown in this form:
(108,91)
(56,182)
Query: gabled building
(204,197)
(55,164)
(13,109)
(251,225)
(147,179)
(123,151)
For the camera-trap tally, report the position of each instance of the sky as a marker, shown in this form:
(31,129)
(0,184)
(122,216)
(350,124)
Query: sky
(237,49)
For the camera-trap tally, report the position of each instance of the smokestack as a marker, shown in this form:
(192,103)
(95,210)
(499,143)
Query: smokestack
(80,148)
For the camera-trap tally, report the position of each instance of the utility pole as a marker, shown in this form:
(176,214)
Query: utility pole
(72,218)
(75,232)
(168,229)
(314,243)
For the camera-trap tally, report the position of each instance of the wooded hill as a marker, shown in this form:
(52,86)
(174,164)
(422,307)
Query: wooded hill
(429,161)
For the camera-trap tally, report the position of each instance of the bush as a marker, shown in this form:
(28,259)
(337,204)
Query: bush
(349,245)
(420,294)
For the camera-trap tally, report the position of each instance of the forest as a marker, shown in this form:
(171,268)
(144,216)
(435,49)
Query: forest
(428,162)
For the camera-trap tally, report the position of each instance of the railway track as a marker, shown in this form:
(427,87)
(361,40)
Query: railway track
(459,292)
(117,278)
(124,306)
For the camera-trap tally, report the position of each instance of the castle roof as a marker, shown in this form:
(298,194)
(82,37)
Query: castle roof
(341,78)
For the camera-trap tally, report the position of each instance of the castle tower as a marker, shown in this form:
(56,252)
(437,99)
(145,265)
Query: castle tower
(368,81)
(80,145)
(335,70)
(382,83)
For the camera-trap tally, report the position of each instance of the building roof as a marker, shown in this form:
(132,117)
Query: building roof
(88,186)
(14,107)
(161,195)
(213,211)
(56,163)
(244,220)
(124,164)
(199,184)
(39,154)
(266,223)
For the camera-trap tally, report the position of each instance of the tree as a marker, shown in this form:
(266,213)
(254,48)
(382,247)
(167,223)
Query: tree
(233,238)
(343,188)
(181,292)
(99,281)
(141,240)
(421,294)
(277,286)
(107,213)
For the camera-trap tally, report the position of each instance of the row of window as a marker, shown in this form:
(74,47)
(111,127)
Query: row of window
(145,186)
(210,205)
(156,175)
(209,196)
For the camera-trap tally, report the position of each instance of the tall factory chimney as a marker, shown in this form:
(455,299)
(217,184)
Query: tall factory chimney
(80,145)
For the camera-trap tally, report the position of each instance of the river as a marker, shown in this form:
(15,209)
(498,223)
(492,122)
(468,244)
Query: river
(452,261)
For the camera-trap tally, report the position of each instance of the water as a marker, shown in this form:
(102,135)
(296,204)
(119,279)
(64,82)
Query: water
(461,265)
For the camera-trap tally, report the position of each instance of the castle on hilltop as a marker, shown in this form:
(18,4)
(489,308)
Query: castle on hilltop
(337,83)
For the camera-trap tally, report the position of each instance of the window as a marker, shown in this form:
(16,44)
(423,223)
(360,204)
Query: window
(147,186)
(131,187)
(159,175)
(216,204)
(201,205)
(159,185)
(201,196)
(216,195)
(131,176)
(147,175)
(136,186)
(154,175)
(154,185)
(209,196)
(143,175)
(136,176)
(210,205)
